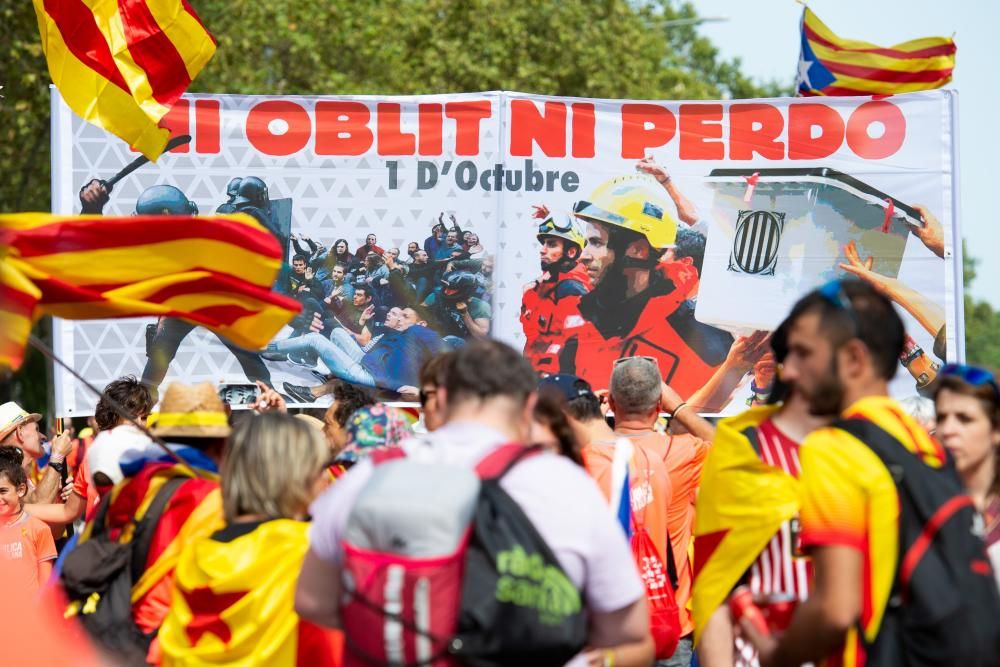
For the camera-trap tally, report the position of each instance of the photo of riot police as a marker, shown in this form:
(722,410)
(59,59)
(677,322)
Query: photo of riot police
(165,337)
(370,315)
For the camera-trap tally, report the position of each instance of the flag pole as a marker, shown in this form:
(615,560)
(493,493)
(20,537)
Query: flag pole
(40,345)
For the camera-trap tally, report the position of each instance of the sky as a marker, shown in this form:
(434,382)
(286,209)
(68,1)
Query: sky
(764,35)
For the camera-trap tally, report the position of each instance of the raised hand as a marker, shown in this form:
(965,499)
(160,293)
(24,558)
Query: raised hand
(268,400)
(931,234)
(747,350)
(94,195)
(62,445)
(863,270)
(648,166)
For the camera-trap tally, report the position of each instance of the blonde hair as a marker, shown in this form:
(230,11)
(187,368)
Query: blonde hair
(270,465)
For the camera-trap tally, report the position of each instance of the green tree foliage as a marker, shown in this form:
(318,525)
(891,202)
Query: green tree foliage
(608,48)
(982,323)
(586,48)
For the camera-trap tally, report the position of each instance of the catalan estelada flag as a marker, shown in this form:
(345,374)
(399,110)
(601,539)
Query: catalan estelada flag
(741,504)
(121,64)
(214,271)
(234,603)
(831,65)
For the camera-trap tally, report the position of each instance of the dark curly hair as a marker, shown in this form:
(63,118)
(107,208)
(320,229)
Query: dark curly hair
(130,394)
(10,466)
(690,243)
(349,398)
(550,411)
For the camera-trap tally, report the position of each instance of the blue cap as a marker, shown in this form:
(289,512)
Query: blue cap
(570,386)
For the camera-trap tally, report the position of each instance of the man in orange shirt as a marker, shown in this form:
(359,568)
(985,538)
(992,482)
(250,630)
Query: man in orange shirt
(665,470)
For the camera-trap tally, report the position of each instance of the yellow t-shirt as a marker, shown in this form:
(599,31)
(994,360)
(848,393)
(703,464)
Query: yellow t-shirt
(849,499)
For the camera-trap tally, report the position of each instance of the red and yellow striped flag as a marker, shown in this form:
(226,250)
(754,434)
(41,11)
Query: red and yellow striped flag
(741,504)
(831,65)
(214,271)
(121,64)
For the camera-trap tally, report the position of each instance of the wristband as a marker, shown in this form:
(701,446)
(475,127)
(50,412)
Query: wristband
(677,409)
(664,181)
(609,658)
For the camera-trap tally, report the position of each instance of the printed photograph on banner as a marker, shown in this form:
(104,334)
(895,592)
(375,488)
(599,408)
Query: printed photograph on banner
(696,226)
(580,231)
(390,264)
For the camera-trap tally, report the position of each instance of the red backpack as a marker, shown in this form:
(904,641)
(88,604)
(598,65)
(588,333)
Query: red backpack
(441,568)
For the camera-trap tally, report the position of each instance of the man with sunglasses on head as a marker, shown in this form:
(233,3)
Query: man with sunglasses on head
(843,347)
(562,240)
(665,472)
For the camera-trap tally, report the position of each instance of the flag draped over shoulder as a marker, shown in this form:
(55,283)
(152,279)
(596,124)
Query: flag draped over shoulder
(234,603)
(213,271)
(121,64)
(194,510)
(831,65)
(742,503)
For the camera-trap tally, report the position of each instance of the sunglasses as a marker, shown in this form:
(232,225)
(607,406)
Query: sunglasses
(834,294)
(651,360)
(973,375)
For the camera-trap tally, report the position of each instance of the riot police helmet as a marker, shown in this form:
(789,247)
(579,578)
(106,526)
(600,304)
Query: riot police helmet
(252,191)
(458,285)
(164,200)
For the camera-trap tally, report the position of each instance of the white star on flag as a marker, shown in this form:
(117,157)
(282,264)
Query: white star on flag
(804,66)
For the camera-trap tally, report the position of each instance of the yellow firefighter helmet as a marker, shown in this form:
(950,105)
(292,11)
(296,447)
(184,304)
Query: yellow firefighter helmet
(632,202)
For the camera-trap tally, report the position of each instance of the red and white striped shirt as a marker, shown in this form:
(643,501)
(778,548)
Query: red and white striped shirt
(781,569)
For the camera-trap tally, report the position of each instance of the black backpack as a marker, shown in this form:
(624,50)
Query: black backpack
(944,608)
(515,605)
(518,606)
(98,576)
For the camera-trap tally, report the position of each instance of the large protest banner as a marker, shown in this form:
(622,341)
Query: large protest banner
(578,230)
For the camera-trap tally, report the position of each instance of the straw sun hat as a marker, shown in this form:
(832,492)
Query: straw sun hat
(13,415)
(190,411)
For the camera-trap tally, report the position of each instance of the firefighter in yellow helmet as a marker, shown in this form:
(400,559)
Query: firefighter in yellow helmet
(562,241)
(638,304)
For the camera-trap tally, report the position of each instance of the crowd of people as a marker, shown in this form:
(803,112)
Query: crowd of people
(374,316)
(525,518)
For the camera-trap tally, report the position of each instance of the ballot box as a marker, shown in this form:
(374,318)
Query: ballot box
(775,234)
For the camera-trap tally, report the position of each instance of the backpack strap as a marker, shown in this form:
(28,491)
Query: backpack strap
(900,460)
(498,462)
(98,524)
(146,527)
